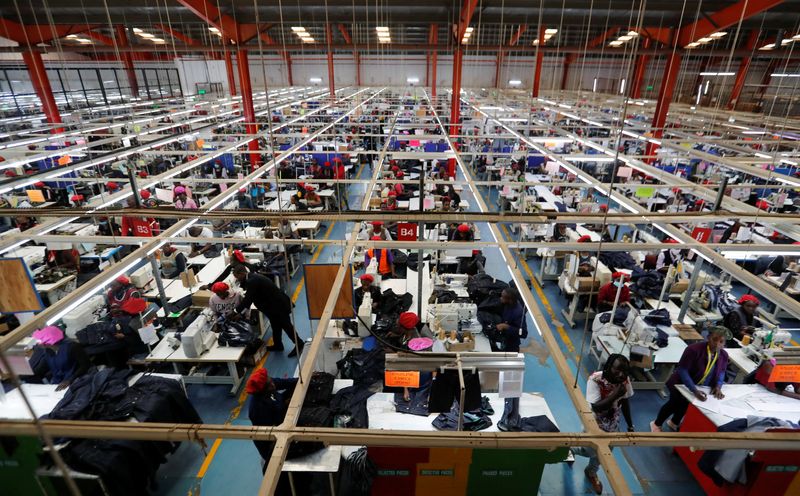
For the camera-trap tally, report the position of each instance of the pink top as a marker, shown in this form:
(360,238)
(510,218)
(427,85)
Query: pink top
(189,205)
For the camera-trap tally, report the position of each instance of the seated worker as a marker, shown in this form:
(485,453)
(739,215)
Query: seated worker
(513,326)
(761,376)
(559,234)
(702,364)
(182,201)
(730,231)
(667,258)
(398,187)
(741,320)
(377,228)
(770,266)
(391,201)
(224,301)
(384,257)
(462,233)
(367,287)
(271,247)
(585,260)
(140,227)
(298,205)
(119,294)
(269,401)
(66,259)
(245,202)
(608,292)
(210,249)
(173,262)
(56,358)
(607,392)
(78,201)
(406,329)
(313,200)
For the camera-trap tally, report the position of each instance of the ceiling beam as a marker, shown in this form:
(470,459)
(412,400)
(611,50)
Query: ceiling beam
(723,19)
(516,36)
(176,34)
(345,34)
(467,9)
(209,13)
(100,37)
(39,33)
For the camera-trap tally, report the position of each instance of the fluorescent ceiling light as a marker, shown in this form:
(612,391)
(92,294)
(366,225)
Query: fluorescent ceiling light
(550,31)
(135,30)
(72,36)
(786,42)
(625,38)
(705,40)
(718,34)
(633,33)
(157,40)
(146,35)
(412,80)
(213,29)
(768,47)
(783,74)
(615,43)
(717,73)
(536,41)
(298,29)
(315,80)
(514,82)
(382,29)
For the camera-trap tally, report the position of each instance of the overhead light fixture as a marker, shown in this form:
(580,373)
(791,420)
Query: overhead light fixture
(768,47)
(298,29)
(382,29)
(615,43)
(157,40)
(786,42)
(315,80)
(783,74)
(412,80)
(622,87)
(796,37)
(594,86)
(383,34)
(717,73)
(514,82)
(72,36)
(467,35)
(135,30)
(551,31)
(625,38)
(705,40)
(146,35)
(633,33)
(536,41)
(213,29)
(692,45)
(718,34)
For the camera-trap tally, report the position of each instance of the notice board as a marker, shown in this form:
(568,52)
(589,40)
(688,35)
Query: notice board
(19,292)
(319,282)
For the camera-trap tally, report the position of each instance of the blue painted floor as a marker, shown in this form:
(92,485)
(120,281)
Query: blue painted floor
(235,465)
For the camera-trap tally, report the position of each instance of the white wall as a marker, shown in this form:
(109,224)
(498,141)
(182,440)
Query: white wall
(196,71)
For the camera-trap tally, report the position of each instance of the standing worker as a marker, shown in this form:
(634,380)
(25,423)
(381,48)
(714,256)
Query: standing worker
(272,302)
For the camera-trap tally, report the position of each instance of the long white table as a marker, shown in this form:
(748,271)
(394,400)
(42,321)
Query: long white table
(741,400)
(744,365)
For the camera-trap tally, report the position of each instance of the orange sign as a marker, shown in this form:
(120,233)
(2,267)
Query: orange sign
(405,378)
(66,159)
(783,373)
(35,195)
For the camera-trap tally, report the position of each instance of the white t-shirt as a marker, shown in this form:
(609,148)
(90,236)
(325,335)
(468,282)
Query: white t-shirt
(597,388)
(225,306)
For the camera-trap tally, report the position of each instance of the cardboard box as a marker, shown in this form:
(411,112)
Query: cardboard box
(374,203)
(584,283)
(467,345)
(251,360)
(679,286)
(200,298)
(641,357)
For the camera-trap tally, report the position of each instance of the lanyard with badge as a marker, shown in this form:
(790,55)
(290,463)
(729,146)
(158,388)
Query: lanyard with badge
(711,363)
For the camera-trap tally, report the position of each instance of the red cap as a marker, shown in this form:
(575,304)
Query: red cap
(463,228)
(76,198)
(39,184)
(10,173)
(144,194)
(400,174)
(367,277)
(327,164)
(748,297)
(617,275)
(112,185)
(376,238)
(408,320)
(238,255)
(395,168)
(242,190)
(123,280)
(257,381)
(393,193)
(142,174)
(604,208)
(309,187)
(585,239)
(671,241)
(134,306)
(762,205)
(302,185)
(220,287)
(377,223)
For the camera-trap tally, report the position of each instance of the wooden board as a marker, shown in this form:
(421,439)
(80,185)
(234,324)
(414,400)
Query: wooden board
(19,292)
(319,282)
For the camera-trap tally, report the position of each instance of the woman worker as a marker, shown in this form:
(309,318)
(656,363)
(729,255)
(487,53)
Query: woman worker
(56,358)
(702,364)
(740,320)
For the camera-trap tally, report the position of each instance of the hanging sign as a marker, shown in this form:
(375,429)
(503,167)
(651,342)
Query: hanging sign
(406,231)
(402,378)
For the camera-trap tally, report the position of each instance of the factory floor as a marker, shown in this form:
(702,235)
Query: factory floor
(234,467)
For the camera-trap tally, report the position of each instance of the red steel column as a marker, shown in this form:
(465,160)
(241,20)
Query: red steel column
(331,85)
(288,58)
(565,72)
(638,73)
(498,68)
(455,106)
(229,71)
(767,78)
(357,56)
(537,75)
(741,74)
(247,106)
(668,82)
(127,59)
(434,55)
(41,84)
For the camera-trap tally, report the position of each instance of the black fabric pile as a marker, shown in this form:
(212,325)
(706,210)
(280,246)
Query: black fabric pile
(445,389)
(620,316)
(349,406)
(475,420)
(105,395)
(392,305)
(658,317)
(364,367)
(417,403)
(511,421)
(235,333)
(647,284)
(616,260)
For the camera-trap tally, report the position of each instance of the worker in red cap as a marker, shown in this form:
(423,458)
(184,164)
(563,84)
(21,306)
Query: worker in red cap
(378,228)
(224,301)
(463,232)
(383,256)
(669,257)
(398,187)
(367,286)
(111,186)
(77,200)
(608,292)
(391,201)
(269,402)
(741,320)
(120,291)
(313,200)
(245,201)
(586,262)
(140,227)
(406,329)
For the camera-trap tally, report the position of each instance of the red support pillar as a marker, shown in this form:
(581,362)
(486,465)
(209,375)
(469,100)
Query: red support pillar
(638,72)
(41,84)
(568,59)
(498,68)
(671,70)
(127,59)
(229,71)
(741,74)
(455,106)
(247,107)
(357,56)
(434,55)
(537,75)
(288,58)
(773,64)
(331,85)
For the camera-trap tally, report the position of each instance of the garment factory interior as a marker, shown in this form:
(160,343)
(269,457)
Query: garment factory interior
(391,248)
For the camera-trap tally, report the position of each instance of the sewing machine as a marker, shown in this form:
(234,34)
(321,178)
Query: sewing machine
(199,336)
(452,316)
(89,312)
(372,269)
(365,315)
(765,342)
(142,277)
(450,280)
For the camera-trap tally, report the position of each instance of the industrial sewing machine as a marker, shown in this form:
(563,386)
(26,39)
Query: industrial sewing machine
(765,342)
(452,316)
(365,316)
(198,338)
(450,281)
